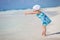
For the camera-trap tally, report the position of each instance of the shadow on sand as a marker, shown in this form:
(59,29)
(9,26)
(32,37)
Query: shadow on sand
(53,33)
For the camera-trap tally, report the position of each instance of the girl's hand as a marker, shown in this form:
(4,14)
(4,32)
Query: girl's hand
(26,13)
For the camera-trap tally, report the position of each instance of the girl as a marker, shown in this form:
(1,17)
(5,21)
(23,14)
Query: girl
(44,18)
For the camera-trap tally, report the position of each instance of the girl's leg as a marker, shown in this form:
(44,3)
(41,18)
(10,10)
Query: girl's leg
(43,30)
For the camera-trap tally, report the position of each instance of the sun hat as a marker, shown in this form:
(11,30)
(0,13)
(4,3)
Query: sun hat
(36,7)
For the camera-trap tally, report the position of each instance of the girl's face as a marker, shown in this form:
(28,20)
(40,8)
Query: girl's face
(38,11)
(35,10)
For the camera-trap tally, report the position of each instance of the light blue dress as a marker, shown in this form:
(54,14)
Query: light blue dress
(44,18)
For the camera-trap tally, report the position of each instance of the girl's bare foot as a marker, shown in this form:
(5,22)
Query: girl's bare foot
(43,33)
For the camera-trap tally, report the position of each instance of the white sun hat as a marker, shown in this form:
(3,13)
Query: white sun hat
(36,7)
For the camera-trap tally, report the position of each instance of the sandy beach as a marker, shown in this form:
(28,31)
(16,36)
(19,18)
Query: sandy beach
(14,25)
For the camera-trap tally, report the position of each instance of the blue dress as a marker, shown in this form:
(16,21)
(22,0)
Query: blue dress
(44,18)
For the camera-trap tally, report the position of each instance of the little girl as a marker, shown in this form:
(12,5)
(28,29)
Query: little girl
(44,18)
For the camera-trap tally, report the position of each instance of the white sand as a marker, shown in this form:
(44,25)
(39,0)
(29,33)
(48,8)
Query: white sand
(14,25)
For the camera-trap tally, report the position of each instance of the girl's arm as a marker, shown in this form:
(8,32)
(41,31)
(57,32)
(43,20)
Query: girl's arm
(26,13)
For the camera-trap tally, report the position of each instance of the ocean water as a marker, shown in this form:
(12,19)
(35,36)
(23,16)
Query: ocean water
(25,4)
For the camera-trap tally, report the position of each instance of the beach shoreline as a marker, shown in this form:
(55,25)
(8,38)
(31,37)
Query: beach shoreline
(14,25)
